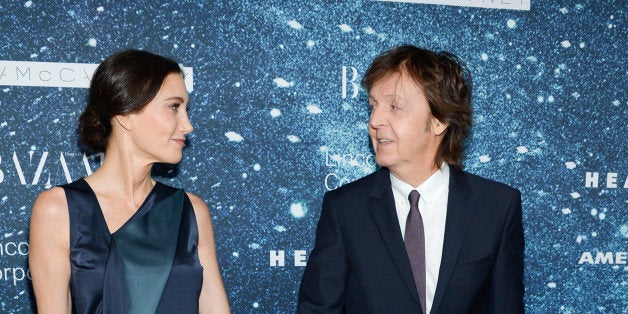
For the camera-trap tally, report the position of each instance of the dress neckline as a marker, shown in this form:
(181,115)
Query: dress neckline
(102,215)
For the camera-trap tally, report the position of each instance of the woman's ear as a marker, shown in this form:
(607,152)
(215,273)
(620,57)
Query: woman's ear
(124,121)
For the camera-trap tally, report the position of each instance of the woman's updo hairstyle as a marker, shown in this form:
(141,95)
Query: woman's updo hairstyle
(123,84)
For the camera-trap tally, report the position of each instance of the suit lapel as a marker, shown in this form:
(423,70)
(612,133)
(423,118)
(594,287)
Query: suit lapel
(459,212)
(384,213)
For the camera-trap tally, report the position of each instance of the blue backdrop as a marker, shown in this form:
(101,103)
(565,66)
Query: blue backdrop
(279,119)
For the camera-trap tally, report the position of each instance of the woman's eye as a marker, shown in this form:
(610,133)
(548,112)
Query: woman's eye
(175,106)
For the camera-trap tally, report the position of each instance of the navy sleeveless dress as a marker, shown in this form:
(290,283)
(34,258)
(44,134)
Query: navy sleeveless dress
(149,265)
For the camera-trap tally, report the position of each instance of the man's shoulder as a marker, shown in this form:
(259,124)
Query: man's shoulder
(361,186)
(477,182)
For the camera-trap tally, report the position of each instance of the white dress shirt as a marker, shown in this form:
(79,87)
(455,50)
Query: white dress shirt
(433,207)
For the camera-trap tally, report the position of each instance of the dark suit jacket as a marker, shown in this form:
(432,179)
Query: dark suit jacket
(359,263)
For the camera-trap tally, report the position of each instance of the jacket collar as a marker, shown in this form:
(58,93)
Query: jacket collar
(382,209)
(460,209)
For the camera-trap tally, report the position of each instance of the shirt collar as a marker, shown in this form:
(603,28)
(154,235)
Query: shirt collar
(429,190)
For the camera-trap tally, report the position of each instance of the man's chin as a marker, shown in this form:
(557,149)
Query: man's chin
(383,162)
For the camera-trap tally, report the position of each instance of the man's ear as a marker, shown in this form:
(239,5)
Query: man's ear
(438,127)
(124,121)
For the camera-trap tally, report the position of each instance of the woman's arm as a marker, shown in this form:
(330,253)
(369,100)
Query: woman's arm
(49,252)
(213,298)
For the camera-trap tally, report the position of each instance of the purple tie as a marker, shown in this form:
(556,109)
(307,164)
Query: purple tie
(414,240)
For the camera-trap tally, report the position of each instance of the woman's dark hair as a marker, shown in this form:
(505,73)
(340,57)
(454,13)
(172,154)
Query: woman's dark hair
(124,83)
(446,82)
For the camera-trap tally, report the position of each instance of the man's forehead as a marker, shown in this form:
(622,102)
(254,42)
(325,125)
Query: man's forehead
(394,90)
(385,97)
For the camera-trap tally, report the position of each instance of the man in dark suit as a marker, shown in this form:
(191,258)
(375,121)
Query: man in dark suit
(419,235)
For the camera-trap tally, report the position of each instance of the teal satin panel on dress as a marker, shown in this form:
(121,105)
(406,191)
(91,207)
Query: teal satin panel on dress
(146,248)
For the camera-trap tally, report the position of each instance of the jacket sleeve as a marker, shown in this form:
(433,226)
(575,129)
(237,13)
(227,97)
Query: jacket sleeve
(507,286)
(323,284)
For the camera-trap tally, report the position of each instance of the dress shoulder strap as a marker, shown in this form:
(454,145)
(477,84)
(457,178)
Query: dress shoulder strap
(84,211)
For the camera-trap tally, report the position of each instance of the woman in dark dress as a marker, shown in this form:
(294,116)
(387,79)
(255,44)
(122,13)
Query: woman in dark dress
(118,241)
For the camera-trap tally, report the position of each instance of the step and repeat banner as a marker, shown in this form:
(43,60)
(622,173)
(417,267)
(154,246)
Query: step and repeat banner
(280,119)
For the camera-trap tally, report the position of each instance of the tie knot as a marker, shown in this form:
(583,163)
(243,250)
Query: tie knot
(414,197)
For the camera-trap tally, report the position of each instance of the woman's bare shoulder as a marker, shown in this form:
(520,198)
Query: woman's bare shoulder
(201,211)
(197,202)
(51,203)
